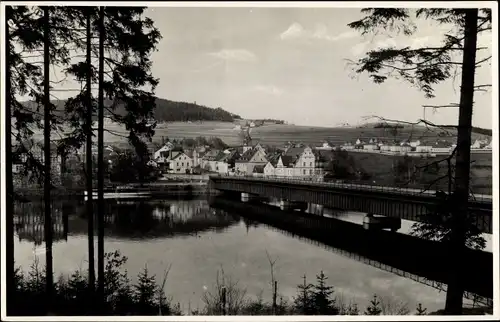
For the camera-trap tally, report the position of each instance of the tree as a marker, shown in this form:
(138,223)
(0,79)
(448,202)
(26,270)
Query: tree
(28,37)
(421,310)
(49,279)
(322,297)
(374,307)
(423,68)
(304,303)
(100,161)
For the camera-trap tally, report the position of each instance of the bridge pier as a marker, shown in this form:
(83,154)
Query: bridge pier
(247,197)
(315,209)
(371,222)
(291,205)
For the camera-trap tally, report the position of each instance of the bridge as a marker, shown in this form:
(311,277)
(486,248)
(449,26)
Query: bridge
(403,203)
(413,258)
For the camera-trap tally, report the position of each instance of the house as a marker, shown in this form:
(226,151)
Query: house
(489,146)
(479,144)
(395,146)
(249,159)
(347,146)
(384,146)
(36,150)
(371,146)
(424,147)
(221,163)
(180,162)
(195,156)
(414,144)
(326,146)
(274,166)
(162,152)
(300,162)
(258,170)
(405,147)
(359,144)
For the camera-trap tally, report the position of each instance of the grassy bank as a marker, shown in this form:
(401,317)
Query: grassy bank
(147,297)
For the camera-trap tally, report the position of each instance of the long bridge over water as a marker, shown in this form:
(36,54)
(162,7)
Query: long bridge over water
(403,203)
(414,258)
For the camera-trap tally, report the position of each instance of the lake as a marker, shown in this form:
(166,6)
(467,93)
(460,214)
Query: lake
(198,241)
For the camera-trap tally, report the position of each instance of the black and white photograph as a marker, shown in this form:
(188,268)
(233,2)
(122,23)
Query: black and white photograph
(195,160)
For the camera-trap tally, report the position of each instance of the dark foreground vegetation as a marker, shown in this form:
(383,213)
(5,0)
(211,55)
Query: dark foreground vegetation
(147,297)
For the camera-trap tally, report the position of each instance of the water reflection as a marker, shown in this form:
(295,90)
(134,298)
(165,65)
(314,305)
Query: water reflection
(123,219)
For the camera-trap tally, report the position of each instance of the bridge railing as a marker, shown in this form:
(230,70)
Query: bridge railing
(315,181)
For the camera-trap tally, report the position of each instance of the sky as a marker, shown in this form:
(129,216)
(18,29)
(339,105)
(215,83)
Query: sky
(292,64)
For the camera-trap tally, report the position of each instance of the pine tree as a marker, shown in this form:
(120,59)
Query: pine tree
(145,292)
(421,310)
(423,68)
(322,296)
(304,303)
(374,308)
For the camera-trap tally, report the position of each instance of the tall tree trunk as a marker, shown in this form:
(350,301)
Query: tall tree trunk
(47,159)
(90,210)
(454,295)
(100,163)
(9,182)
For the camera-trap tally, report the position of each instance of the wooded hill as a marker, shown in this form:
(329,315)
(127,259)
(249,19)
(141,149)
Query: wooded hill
(166,111)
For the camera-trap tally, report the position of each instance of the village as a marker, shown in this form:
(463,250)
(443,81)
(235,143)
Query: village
(293,160)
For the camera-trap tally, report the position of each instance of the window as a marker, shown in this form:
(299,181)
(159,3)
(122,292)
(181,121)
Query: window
(182,163)
(304,164)
(304,171)
(310,164)
(310,171)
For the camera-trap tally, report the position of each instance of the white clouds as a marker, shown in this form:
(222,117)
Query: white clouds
(297,31)
(293,32)
(269,89)
(241,55)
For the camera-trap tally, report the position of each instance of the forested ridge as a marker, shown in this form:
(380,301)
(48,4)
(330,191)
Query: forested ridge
(168,111)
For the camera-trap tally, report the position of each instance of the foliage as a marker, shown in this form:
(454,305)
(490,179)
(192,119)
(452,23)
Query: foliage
(227,297)
(421,310)
(147,297)
(129,168)
(421,67)
(322,297)
(304,301)
(73,298)
(374,308)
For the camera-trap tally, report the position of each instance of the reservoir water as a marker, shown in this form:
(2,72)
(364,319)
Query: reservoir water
(198,242)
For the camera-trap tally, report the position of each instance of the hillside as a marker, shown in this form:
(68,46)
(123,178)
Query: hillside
(167,111)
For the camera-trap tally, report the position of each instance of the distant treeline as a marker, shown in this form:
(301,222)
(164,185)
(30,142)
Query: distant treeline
(387,126)
(270,121)
(168,111)
(482,131)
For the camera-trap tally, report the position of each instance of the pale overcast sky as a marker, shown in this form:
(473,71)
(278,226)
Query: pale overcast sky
(289,63)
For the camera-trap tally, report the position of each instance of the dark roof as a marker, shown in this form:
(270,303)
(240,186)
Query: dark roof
(287,160)
(258,169)
(274,158)
(245,157)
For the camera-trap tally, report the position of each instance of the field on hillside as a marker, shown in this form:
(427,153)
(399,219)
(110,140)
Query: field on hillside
(274,134)
(380,167)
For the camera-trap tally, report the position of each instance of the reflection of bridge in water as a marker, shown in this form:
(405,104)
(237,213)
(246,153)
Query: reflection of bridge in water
(406,256)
